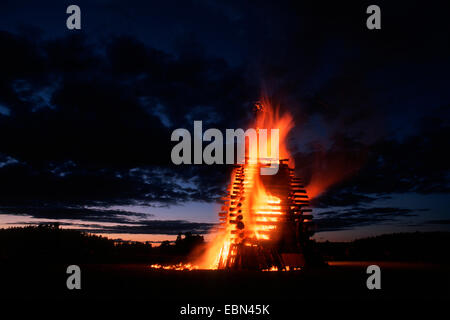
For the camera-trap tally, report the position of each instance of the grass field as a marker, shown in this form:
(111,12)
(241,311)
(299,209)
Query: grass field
(340,280)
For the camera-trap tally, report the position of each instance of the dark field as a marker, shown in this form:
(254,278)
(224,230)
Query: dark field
(34,269)
(340,280)
(337,289)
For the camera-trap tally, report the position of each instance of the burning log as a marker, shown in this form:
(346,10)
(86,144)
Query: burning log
(264,220)
(271,228)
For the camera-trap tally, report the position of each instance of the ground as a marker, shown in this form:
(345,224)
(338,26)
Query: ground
(343,282)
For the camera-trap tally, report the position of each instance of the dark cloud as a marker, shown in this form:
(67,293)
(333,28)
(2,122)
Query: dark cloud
(171,227)
(337,197)
(92,186)
(166,227)
(100,136)
(365,173)
(104,220)
(345,219)
(75,213)
(438,222)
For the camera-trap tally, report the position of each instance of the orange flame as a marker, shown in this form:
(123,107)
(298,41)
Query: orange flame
(257,207)
(260,210)
(179,266)
(269,117)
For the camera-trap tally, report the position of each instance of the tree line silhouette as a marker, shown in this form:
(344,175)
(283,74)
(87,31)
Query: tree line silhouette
(408,247)
(48,243)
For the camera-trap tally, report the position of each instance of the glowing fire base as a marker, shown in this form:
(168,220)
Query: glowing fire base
(265,220)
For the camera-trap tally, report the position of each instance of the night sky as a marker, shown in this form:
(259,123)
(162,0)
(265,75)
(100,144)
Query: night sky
(86,115)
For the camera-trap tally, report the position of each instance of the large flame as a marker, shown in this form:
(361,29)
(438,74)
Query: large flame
(259,209)
(269,117)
